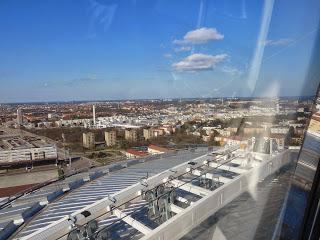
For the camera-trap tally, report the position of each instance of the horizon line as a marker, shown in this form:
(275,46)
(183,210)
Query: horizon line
(150,99)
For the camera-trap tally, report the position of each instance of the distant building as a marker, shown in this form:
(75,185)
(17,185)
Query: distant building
(18,150)
(314,126)
(88,140)
(253,130)
(232,130)
(44,124)
(299,130)
(131,135)
(52,115)
(168,129)
(110,138)
(73,123)
(279,139)
(152,149)
(19,116)
(206,138)
(279,130)
(242,142)
(262,145)
(224,132)
(158,132)
(148,133)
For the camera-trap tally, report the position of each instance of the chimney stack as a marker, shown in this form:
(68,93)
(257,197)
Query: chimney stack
(94,114)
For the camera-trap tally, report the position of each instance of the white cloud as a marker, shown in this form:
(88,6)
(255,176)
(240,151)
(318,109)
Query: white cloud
(167,55)
(279,42)
(231,71)
(198,61)
(182,49)
(200,36)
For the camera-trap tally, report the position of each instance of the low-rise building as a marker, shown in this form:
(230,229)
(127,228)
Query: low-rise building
(232,130)
(206,138)
(250,130)
(158,132)
(279,130)
(45,124)
(299,131)
(167,129)
(243,142)
(224,132)
(19,150)
(132,153)
(153,149)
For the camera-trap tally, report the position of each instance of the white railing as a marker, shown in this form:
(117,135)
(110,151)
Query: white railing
(182,223)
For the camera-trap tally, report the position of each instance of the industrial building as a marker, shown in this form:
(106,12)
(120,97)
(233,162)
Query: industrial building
(16,150)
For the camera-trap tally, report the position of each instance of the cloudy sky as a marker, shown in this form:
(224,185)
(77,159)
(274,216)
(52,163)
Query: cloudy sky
(128,49)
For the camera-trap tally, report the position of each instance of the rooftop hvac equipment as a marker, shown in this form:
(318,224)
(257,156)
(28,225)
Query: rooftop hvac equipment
(159,200)
(84,232)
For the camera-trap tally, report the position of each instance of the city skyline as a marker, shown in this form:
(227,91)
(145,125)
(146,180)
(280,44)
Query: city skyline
(310,97)
(59,51)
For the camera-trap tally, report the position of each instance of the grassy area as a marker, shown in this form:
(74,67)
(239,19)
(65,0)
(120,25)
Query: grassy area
(106,161)
(105,156)
(73,136)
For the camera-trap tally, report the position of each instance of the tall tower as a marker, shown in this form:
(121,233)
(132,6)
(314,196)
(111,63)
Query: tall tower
(94,114)
(19,116)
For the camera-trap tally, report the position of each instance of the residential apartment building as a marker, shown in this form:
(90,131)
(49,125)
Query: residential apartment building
(131,135)
(148,133)
(110,138)
(88,140)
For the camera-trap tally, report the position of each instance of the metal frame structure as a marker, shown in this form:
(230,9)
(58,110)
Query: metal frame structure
(160,194)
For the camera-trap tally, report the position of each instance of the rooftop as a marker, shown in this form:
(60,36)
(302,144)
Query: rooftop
(109,195)
(64,197)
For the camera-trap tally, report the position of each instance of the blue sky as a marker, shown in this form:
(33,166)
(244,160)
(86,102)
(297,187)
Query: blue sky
(126,49)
